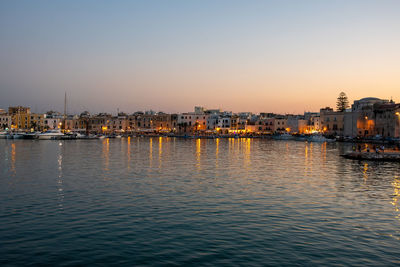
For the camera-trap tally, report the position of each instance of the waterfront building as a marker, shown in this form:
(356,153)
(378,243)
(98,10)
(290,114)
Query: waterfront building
(72,124)
(360,121)
(131,121)
(75,123)
(188,122)
(52,120)
(253,127)
(269,124)
(313,123)
(144,122)
(212,121)
(332,122)
(243,119)
(99,123)
(5,121)
(36,122)
(387,119)
(159,122)
(19,117)
(295,124)
(224,124)
(165,122)
(280,124)
(117,124)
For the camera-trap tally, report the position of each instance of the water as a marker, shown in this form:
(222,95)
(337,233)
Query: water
(165,201)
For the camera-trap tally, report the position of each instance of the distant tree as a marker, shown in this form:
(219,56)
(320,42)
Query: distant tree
(342,102)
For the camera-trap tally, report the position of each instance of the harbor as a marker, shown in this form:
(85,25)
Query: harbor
(157,195)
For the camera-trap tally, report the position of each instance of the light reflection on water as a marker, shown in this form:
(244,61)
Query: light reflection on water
(60,179)
(153,201)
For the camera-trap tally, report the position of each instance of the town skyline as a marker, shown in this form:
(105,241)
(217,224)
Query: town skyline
(130,110)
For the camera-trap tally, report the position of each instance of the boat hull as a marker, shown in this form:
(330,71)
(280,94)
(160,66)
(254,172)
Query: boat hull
(49,137)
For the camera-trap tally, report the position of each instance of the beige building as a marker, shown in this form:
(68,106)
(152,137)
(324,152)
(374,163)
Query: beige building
(331,122)
(387,119)
(99,123)
(361,120)
(19,117)
(5,121)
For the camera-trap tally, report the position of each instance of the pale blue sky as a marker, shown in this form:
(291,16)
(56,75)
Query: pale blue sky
(273,56)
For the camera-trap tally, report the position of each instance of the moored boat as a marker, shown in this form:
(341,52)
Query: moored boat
(32,135)
(17,135)
(50,135)
(3,135)
(284,136)
(319,138)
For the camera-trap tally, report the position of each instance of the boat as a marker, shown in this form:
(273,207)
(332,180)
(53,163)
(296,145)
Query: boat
(381,156)
(50,135)
(3,135)
(80,136)
(319,138)
(284,136)
(16,135)
(32,135)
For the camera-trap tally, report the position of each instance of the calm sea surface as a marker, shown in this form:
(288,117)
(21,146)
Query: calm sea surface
(165,201)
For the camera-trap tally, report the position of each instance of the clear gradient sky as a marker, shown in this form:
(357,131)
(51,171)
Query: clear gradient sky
(273,56)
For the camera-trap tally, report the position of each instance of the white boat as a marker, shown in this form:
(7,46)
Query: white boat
(50,135)
(80,136)
(319,138)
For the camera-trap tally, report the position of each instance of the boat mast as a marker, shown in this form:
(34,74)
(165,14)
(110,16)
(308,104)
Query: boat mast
(65,111)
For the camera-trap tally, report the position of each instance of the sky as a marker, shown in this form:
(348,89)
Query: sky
(259,56)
